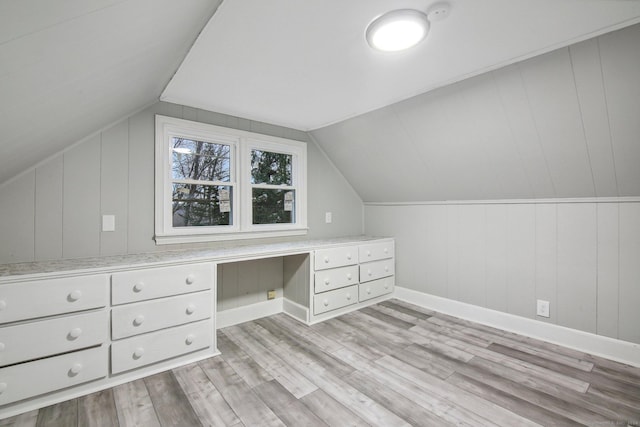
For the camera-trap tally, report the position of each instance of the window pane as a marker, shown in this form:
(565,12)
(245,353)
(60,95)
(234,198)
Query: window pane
(200,160)
(273,206)
(270,168)
(201,205)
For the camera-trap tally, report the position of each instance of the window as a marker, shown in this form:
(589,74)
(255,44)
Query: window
(215,183)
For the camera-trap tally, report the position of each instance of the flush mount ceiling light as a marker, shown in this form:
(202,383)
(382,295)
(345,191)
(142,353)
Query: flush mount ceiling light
(397,30)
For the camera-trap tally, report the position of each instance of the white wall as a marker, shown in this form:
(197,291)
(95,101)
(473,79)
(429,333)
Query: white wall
(584,258)
(563,124)
(54,210)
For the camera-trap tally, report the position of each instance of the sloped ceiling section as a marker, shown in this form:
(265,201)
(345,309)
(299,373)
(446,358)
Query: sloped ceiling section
(564,124)
(69,68)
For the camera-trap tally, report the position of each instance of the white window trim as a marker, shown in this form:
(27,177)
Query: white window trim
(242,142)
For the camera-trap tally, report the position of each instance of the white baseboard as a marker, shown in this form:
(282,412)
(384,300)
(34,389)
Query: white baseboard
(234,316)
(295,310)
(597,345)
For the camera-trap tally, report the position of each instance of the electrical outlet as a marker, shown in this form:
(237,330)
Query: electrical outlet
(271,294)
(328,217)
(542,308)
(108,223)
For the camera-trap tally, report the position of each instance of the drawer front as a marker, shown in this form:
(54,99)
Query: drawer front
(30,300)
(375,288)
(376,251)
(38,339)
(377,270)
(140,285)
(335,278)
(338,298)
(133,319)
(45,375)
(335,257)
(145,349)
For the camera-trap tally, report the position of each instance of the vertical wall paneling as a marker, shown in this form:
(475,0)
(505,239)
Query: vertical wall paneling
(629,317)
(434,258)
(452,248)
(471,254)
(17,225)
(496,256)
(546,258)
(409,249)
(608,269)
(247,282)
(296,273)
(587,72)
(559,124)
(577,237)
(140,216)
(620,54)
(81,218)
(227,285)
(521,260)
(48,212)
(114,187)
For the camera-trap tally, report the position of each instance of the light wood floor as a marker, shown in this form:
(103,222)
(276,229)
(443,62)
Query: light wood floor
(391,364)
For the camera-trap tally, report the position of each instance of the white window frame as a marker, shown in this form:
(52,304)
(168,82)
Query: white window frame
(242,143)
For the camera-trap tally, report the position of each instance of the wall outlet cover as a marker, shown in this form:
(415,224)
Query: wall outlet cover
(542,308)
(271,295)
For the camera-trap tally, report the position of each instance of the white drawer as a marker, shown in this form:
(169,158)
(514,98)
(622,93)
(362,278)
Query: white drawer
(376,251)
(331,300)
(335,257)
(335,278)
(25,380)
(145,349)
(376,270)
(139,285)
(133,319)
(42,338)
(29,300)
(375,288)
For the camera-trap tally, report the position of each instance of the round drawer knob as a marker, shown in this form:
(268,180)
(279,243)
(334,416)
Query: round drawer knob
(191,309)
(138,287)
(349,256)
(327,281)
(349,276)
(326,303)
(189,339)
(139,319)
(326,260)
(75,369)
(348,297)
(3,305)
(190,279)
(386,268)
(75,333)
(368,253)
(368,290)
(3,387)
(75,295)
(386,286)
(369,272)
(386,250)
(138,353)
(2,346)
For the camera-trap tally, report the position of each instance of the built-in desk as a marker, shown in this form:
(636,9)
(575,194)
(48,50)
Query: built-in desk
(72,327)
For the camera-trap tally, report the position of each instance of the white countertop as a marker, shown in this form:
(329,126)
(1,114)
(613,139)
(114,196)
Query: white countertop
(18,271)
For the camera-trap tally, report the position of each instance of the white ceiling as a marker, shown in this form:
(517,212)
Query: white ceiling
(71,67)
(306,64)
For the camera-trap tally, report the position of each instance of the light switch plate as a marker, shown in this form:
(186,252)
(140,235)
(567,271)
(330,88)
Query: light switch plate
(328,217)
(108,223)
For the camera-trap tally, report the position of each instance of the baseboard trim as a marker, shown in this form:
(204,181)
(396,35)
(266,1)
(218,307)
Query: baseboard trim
(295,310)
(234,316)
(597,345)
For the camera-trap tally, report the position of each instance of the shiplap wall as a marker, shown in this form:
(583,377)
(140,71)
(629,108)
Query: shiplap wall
(563,124)
(584,258)
(54,210)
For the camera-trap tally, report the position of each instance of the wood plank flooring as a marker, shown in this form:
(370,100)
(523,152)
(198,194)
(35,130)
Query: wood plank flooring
(392,364)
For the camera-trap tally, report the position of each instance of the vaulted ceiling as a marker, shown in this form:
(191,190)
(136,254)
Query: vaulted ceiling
(70,68)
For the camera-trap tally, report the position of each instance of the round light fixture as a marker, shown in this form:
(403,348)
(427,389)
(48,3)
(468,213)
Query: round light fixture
(397,30)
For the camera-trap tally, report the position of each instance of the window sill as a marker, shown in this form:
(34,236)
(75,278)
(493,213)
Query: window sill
(199,238)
